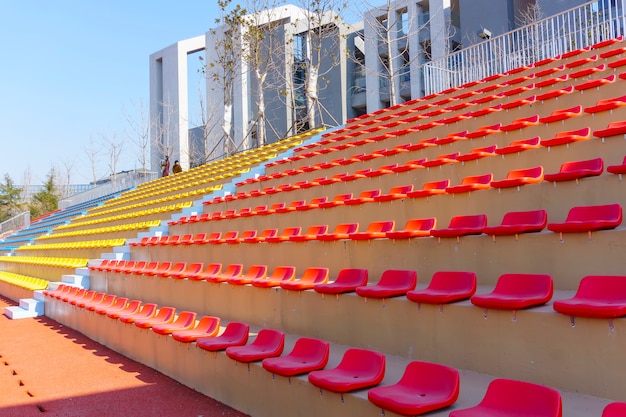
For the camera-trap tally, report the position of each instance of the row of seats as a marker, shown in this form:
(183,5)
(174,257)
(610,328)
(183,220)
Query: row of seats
(46,261)
(423,386)
(598,296)
(461,101)
(573,170)
(558,115)
(87,244)
(580,219)
(23,281)
(134,227)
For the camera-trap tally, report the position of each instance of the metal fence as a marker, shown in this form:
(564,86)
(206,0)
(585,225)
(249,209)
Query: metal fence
(15,223)
(576,28)
(122,182)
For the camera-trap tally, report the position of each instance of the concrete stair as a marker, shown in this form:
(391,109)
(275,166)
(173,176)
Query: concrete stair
(27,308)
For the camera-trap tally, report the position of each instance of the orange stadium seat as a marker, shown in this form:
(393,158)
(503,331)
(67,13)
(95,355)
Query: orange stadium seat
(310,277)
(186,320)
(253,272)
(430,188)
(519,177)
(208,326)
(279,275)
(341,231)
(130,308)
(375,230)
(165,315)
(472,183)
(231,271)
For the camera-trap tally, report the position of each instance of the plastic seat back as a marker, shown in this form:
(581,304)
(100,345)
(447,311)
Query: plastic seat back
(519,398)
(358,368)
(436,185)
(307,355)
(614,410)
(534,172)
(533,217)
(348,279)
(423,387)
(610,212)
(471,221)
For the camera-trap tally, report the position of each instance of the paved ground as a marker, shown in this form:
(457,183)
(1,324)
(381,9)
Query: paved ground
(47,369)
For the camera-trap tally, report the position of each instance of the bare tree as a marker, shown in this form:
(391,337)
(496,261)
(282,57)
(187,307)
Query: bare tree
(393,26)
(140,127)
(261,41)
(321,47)
(65,181)
(201,148)
(164,131)
(92,150)
(222,70)
(113,146)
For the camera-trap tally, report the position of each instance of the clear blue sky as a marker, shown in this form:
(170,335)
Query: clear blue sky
(69,67)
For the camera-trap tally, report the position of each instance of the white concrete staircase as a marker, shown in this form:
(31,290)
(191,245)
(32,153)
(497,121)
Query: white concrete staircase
(28,307)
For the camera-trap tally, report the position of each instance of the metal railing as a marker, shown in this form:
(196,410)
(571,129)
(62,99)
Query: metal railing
(15,223)
(122,182)
(576,28)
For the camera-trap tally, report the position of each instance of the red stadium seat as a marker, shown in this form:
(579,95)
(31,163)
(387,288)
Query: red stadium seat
(279,275)
(462,226)
(613,129)
(265,234)
(341,231)
(598,296)
(208,326)
(521,123)
(413,228)
(430,188)
(165,315)
(395,193)
(209,271)
(366,196)
(235,334)
(146,311)
(392,283)
(589,218)
(253,272)
(313,204)
(614,410)
(564,138)
(422,388)
(312,233)
(190,272)
(510,398)
(186,320)
(446,287)
(478,153)
(484,131)
(347,280)
(338,200)
(516,222)
(607,104)
(518,177)
(595,83)
(231,271)
(448,158)
(359,368)
(119,304)
(617,169)
(562,114)
(472,183)
(576,170)
(130,308)
(310,277)
(516,291)
(307,355)
(267,344)
(285,235)
(375,230)
(519,146)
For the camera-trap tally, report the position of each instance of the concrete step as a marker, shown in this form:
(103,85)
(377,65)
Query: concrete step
(28,307)
(75,279)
